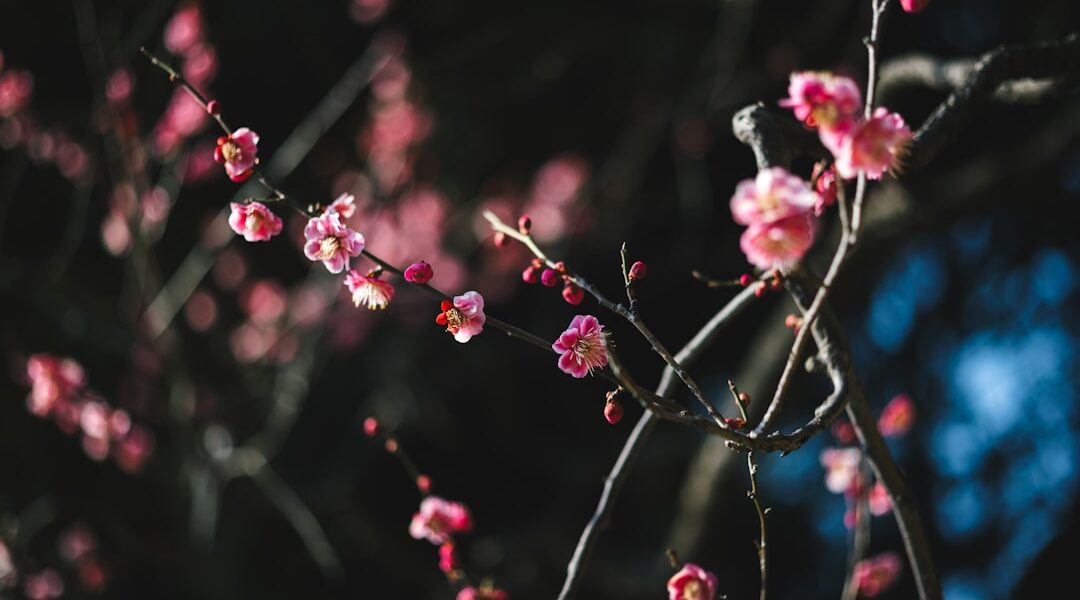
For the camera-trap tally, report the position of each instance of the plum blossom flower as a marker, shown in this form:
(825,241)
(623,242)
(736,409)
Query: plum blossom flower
(773,195)
(874,146)
(692,583)
(44,585)
(823,99)
(484,592)
(254,220)
(344,205)
(53,381)
(439,519)
(874,575)
(369,291)
(239,153)
(419,272)
(463,316)
(897,416)
(331,242)
(826,187)
(841,469)
(779,244)
(16,88)
(878,499)
(914,6)
(582,347)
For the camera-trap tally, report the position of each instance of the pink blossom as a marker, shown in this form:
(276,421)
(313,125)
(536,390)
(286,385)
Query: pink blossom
(878,498)
(484,592)
(439,519)
(76,543)
(184,29)
(826,187)
(692,583)
(779,244)
(419,272)
(874,146)
(877,574)
(447,557)
(582,347)
(773,195)
(263,301)
(200,65)
(53,380)
(841,469)
(914,6)
(44,585)
(331,242)
(823,99)
(132,452)
(239,153)
(16,87)
(344,205)
(464,316)
(254,220)
(897,416)
(371,292)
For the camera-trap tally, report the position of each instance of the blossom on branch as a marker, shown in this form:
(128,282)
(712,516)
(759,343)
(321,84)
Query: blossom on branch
(439,519)
(254,220)
(463,316)
(875,575)
(692,583)
(369,291)
(823,99)
(331,242)
(238,152)
(874,146)
(773,195)
(344,205)
(484,592)
(582,347)
(779,244)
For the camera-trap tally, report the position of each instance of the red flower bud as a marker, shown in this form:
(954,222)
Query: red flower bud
(213,107)
(371,427)
(613,411)
(423,483)
(419,272)
(530,275)
(745,279)
(637,271)
(573,294)
(500,239)
(549,278)
(914,6)
(524,224)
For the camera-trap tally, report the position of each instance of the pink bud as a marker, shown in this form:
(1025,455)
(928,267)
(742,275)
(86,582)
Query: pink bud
(745,279)
(391,445)
(419,272)
(914,6)
(573,294)
(530,275)
(550,278)
(213,107)
(423,483)
(735,422)
(524,224)
(637,271)
(613,411)
(500,239)
(371,427)
(760,290)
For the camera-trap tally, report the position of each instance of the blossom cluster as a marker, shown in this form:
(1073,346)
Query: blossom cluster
(778,209)
(833,105)
(58,390)
(185,38)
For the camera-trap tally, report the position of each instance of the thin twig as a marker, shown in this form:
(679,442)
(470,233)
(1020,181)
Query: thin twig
(752,493)
(860,529)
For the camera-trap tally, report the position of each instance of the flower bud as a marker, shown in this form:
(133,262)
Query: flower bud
(530,275)
(637,271)
(573,294)
(914,6)
(213,107)
(745,279)
(500,239)
(371,427)
(419,272)
(524,224)
(423,483)
(550,278)
(613,411)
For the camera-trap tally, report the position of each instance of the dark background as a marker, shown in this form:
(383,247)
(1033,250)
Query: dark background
(968,304)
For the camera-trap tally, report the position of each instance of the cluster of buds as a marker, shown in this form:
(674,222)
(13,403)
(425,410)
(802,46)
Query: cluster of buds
(772,282)
(551,277)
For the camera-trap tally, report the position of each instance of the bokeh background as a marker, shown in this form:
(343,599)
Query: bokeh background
(606,122)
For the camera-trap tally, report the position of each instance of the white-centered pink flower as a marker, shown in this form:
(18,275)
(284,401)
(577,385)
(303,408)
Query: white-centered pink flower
(368,291)
(581,347)
(254,220)
(779,244)
(841,469)
(692,583)
(874,146)
(823,99)
(877,574)
(331,242)
(773,195)
(238,152)
(463,316)
(439,519)
(344,205)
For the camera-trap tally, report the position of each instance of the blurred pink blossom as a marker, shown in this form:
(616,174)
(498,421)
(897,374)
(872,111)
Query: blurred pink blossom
(439,519)
(841,469)
(184,29)
(875,575)
(897,417)
(874,146)
(823,99)
(773,195)
(16,89)
(692,583)
(779,244)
